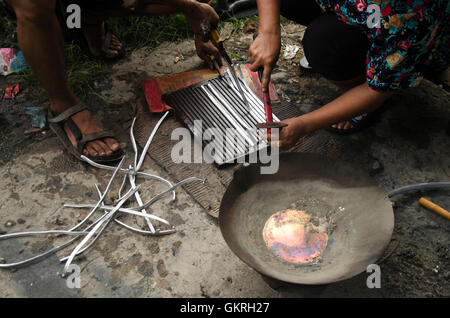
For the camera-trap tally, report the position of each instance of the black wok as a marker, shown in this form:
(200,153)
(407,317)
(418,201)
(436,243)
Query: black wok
(362,215)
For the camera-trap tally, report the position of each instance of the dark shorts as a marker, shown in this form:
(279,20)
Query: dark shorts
(333,48)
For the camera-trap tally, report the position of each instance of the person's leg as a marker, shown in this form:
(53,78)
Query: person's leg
(41,42)
(347,84)
(337,51)
(93,27)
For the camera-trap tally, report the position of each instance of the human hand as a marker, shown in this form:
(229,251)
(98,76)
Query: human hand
(205,50)
(264,52)
(202,19)
(288,136)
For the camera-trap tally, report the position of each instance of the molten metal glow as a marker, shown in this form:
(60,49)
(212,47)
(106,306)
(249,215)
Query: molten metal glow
(291,236)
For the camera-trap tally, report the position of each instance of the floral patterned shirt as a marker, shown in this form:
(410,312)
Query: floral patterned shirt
(412,38)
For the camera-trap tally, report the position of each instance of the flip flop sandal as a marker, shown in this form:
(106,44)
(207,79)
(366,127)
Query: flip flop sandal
(105,45)
(56,123)
(359,123)
(304,63)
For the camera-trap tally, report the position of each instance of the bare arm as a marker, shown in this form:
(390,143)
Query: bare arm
(358,100)
(200,16)
(265,50)
(198,13)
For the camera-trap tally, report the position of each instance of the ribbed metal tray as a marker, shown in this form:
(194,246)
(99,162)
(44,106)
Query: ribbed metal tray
(219,106)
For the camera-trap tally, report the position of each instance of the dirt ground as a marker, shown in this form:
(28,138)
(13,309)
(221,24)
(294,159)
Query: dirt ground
(409,144)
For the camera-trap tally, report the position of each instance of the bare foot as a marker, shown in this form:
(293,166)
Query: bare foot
(87,125)
(344,125)
(95,37)
(359,122)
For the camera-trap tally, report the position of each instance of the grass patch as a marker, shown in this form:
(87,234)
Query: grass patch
(8,37)
(238,57)
(239,24)
(82,71)
(150,31)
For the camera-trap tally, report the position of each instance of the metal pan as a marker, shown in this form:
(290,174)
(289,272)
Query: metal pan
(360,211)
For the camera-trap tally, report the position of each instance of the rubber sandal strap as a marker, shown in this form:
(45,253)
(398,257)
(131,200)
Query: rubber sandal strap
(98,135)
(358,120)
(68,113)
(85,138)
(75,130)
(107,42)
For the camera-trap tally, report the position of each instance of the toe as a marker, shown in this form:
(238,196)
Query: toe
(348,126)
(116,39)
(100,151)
(107,150)
(115,47)
(112,144)
(115,43)
(111,53)
(91,151)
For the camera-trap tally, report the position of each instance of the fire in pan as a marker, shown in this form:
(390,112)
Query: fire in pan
(316,221)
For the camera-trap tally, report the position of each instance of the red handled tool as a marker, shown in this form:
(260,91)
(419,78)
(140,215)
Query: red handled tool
(267,106)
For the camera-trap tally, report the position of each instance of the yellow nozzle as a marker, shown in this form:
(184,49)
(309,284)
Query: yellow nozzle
(215,37)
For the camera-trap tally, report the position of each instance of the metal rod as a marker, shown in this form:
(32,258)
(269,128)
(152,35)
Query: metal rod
(123,210)
(252,140)
(231,98)
(127,171)
(211,110)
(158,232)
(209,119)
(102,198)
(250,120)
(231,147)
(236,83)
(139,201)
(254,106)
(133,142)
(33,233)
(149,141)
(232,120)
(157,197)
(107,218)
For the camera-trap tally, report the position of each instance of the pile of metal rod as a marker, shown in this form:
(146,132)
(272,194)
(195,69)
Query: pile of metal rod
(90,231)
(219,105)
